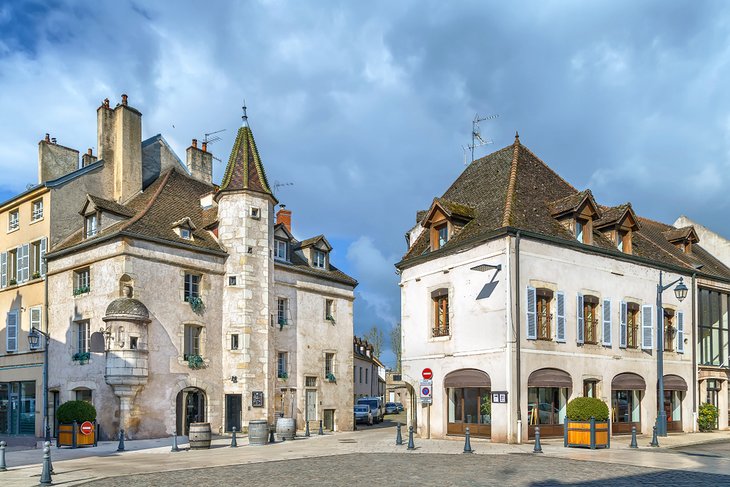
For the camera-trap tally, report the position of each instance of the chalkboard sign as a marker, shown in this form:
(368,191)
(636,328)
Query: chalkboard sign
(257,399)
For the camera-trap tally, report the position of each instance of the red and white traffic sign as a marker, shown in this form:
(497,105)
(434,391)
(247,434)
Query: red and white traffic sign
(86,428)
(427,373)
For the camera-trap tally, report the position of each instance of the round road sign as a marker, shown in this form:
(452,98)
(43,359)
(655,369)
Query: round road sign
(86,428)
(425,391)
(427,373)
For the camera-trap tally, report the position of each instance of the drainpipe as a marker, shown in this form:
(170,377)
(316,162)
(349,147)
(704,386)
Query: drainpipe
(694,352)
(518,323)
(46,343)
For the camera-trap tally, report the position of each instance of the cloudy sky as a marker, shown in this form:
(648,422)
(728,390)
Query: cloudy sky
(365,106)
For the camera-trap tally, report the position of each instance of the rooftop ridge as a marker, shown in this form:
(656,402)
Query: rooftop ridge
(512,182)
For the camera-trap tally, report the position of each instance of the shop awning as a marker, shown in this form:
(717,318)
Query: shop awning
(674,383)
(467,378)
(550,378)
(628,382)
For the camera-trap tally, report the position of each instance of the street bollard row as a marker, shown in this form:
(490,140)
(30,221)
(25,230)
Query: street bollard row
(633,438)
(46,472)
(398,436)
(411,445)
(654,440)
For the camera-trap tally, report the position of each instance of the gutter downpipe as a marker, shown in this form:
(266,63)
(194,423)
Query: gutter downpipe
(694,352)
(46,344)
(518,328)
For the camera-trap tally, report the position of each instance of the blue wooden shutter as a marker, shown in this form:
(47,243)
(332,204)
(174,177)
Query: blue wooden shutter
(44,244)
(11,332)
(647,328)
(560,328)
(4,269)
(579,320)
(622,326)
(607,322)
(680,332)
(531,313)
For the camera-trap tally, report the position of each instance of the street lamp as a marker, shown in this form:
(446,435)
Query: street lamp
(34,338)
(680,292)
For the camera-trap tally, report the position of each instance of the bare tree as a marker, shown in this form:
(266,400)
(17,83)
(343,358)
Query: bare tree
(395,344)
(376,338)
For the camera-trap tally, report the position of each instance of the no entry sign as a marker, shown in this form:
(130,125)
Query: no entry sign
(86,428)
(427,373)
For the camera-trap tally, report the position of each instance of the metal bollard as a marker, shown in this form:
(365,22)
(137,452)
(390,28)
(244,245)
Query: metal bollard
(234,443)
(3,467)
(411,445)
(50,463)
(654,440)
(467,442)
(633,438)
(306,429)
(121,440)
(538,446)
(174,444)
(46,472)
(398,436)
(321,431)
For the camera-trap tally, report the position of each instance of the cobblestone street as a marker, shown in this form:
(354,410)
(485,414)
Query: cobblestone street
(428,469)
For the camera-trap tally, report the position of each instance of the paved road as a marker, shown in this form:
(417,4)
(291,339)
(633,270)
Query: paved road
(423,470)
(709,450)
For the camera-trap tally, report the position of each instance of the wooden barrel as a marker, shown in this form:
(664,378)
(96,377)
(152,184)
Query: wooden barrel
(199,436)
(258,432)
(285,428)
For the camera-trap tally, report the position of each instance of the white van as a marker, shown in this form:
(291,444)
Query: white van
(376,407)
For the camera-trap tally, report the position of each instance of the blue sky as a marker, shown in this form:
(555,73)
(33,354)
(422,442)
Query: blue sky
(365,106)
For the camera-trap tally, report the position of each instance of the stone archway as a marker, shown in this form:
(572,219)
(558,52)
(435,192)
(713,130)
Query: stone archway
(190,407)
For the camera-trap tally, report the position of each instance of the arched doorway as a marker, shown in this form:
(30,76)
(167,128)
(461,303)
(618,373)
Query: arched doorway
(675,388)
(470,403)
(190,409)
(626,392)
(547,395)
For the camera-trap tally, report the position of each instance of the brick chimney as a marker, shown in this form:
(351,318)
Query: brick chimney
(88,158)
(284,216)
(55,160)
(119,139)
(200,162)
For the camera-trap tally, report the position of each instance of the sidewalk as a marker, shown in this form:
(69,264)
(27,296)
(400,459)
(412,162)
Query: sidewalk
(74,467)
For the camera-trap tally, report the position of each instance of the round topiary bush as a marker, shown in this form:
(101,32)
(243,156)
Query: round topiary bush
(707,417)
(78,411)
(583,408)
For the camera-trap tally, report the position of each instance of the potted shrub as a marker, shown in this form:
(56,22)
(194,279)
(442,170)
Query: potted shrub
(586,424)
(196,362)
(707,417)
(197,305)
(76,424)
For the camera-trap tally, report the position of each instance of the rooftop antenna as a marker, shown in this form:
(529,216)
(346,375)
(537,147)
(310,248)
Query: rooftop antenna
(278,185)
(207,139)
(476,136)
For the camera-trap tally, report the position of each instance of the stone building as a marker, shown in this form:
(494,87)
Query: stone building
(518,284)
(175,300)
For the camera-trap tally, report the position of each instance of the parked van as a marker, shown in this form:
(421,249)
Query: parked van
(376,407)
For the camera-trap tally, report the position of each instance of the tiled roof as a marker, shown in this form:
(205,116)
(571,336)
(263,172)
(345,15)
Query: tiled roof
(244,169)
(300,264)
(513,188)
(610,215)
(680,233)
(110,206)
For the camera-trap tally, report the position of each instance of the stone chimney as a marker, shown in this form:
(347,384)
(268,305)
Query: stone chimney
(55,160)
(88,158)
(200,162)
(284,216)
(119,139)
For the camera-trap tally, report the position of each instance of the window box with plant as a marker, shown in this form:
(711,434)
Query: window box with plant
(12,282)
(196,304)
(195,362)
(71,415)
(81,357)
(81,290)
(36,275)
(586,424)
(331,377)
(283,375)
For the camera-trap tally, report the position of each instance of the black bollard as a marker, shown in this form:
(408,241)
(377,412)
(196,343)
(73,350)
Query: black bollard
(654,441)
(398,436)
(3,467)
(467,442)
(272,438)
(234,443)
(321,431)
(411,446)
(174,444)
(633,438)
(46,472)
(50,463)
(306,429)
(121,441)
(538,446)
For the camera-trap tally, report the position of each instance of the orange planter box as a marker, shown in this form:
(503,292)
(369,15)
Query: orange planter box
(578,433)
(66,433)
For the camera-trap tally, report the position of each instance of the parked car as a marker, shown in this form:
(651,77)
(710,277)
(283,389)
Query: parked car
(363,414)
(400,407)
(391,408)
(376,407)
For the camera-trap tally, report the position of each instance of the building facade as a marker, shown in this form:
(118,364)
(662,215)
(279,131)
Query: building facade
(521,293)
(367,371)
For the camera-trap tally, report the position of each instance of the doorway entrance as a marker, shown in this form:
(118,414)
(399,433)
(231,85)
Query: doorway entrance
(310,406)
(233,412)
(190,409)
(713,394)
(469,402)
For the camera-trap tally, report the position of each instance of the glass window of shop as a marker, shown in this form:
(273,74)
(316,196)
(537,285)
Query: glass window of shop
(17,408)
(470,405)
(626,406)
(546,405)
(713,327)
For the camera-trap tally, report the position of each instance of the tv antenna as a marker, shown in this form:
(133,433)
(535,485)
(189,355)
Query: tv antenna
(278,185)
(212,140)
(476,136)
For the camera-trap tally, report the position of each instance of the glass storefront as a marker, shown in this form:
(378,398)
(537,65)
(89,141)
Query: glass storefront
(17,408)
(626,411)
(673,410)
(546,405)
(470,406)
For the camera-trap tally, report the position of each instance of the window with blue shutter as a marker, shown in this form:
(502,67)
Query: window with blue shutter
(11,332)
(44,244)
(622,326)
(531,313)
(647,328)
(579,321)
(560,328)
(680,332)
(4,269)
(607,322)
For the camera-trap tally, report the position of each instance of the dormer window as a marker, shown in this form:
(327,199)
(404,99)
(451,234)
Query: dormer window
(184,228)
(186,233)
(442,235)
(318,259)
(584,231)
(577,214)
(91,225)
(682,238)
(280,249)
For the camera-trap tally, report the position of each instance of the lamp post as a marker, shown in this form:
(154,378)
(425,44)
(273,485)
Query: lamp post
(680,291)
(34,340)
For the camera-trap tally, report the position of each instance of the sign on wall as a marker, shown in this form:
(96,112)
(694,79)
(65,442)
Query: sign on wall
(499,397)
(426,391)
(257,399)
